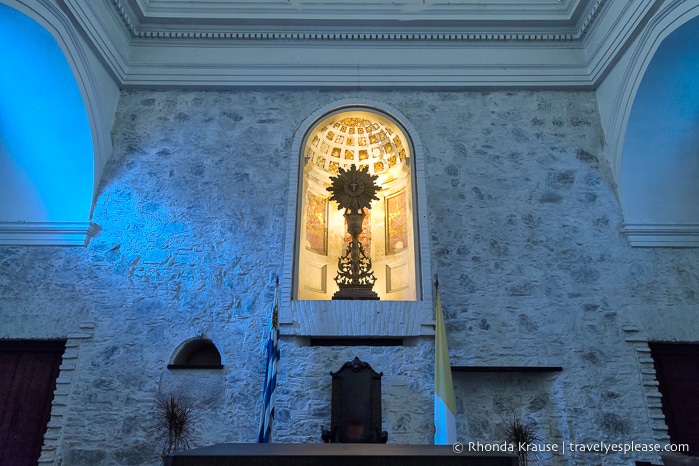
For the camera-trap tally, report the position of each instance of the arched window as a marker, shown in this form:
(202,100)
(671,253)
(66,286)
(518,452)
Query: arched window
(368,140)
(196,353)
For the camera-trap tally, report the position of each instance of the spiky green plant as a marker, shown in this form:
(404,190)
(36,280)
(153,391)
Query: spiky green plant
(175,424)
(522,436)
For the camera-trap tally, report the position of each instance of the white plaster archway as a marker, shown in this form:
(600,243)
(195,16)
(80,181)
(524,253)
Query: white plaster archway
(53,184)
(649,138)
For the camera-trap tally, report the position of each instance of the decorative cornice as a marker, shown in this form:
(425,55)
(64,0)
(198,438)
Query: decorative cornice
(662,234)
(240,43)
(43,233)
(357,37)
(139,32)
(125,17)
(590,18)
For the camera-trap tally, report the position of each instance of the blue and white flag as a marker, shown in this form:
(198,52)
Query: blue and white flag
(270,387)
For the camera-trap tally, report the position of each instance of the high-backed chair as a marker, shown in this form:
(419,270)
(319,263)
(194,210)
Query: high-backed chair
(356,405)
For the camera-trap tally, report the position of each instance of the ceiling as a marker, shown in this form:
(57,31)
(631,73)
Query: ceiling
(359,43)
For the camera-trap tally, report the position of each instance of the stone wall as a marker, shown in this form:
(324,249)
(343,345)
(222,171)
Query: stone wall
(188,239)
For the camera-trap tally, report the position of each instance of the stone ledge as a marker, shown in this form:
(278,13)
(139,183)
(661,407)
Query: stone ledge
(357,319)
(669,235)
(505,369)
(43,233)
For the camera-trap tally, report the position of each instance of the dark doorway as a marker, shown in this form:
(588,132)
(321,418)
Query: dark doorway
(28,372)
(677,371)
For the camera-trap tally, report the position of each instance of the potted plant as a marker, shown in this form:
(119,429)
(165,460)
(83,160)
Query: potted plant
(522,436)
(175,424)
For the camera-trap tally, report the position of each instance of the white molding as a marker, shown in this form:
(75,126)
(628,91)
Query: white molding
(149,12)
(94,93)
(272,44)
(105,29)
(355,36)
(616,26)
(43,233)
(436,78)
(552,20)
(662,235)
(390,65)
(670,17)
(220,44)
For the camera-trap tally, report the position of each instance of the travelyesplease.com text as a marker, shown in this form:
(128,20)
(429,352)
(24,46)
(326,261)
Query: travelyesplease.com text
(568,447)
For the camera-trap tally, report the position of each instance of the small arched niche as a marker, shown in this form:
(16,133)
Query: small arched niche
(372,141)
(196,353)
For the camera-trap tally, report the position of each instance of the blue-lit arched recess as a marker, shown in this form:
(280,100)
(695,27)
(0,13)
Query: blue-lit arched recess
(46,148)
(659,182)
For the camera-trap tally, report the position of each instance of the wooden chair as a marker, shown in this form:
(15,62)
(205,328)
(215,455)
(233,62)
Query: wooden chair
(356,405)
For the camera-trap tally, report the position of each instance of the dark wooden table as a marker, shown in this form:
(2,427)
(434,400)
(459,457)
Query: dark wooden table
(334,454)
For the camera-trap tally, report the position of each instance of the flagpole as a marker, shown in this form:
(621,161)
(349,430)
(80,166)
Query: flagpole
(444,400)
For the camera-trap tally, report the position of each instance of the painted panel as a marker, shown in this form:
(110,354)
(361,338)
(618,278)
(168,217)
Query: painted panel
(317,223)
(396,223)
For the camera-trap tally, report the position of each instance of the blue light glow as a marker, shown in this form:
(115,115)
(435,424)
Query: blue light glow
(46,150)
(660,161)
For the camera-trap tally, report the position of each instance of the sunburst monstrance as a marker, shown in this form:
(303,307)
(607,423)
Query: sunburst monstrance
(354,190)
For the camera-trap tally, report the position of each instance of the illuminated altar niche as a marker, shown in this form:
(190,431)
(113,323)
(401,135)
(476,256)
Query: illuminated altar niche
(369,141)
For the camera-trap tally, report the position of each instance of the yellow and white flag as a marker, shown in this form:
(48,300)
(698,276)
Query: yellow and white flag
(444,401)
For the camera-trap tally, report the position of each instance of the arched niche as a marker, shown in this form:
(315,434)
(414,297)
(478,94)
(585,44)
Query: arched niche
(638,107)
(660,161)
(196,353)
(54,128)
(400,261)
(373,142)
